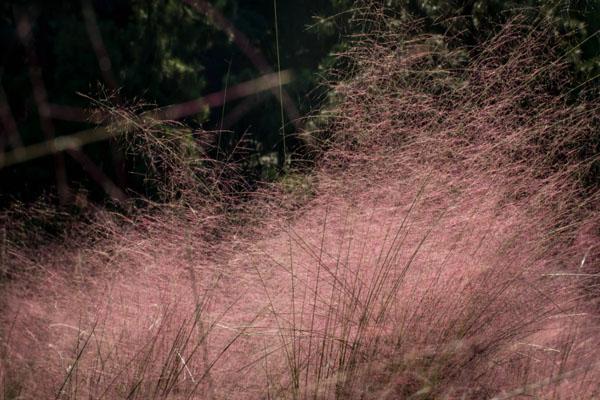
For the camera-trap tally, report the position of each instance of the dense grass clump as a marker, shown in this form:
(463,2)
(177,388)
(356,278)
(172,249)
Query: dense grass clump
(445,246)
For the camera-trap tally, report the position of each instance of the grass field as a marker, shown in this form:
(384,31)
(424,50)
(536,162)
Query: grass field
(444,246)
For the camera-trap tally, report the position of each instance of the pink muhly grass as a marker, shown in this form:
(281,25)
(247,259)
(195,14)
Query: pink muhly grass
(446,250)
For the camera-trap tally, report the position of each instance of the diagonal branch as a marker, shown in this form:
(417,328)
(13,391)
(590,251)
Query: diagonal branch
(171,112)
(252,53)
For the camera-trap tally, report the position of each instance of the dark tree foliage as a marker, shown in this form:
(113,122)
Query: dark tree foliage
(155,52)
(161,52)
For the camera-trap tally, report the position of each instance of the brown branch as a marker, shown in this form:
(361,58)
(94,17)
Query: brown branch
(10,133)
(252,53)
(98,134)
(40,97)
(91,25)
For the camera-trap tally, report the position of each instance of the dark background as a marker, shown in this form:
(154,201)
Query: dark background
(56,56)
